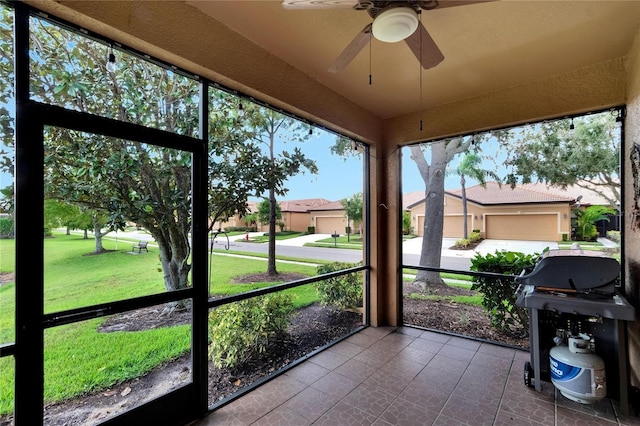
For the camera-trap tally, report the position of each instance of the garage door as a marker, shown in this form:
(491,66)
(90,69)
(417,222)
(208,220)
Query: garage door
(538,227)
(453,226)
(329,225)
(420,230)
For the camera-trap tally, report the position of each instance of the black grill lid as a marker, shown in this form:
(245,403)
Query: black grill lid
(579,270)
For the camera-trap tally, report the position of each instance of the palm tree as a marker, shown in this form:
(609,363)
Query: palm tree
(469,166)
(587,218)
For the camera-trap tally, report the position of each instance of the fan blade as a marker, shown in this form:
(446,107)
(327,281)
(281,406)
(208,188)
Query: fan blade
(451,3)
(429,55)
(318,4)
(352,50)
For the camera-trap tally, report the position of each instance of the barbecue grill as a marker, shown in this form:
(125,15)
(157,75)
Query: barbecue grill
(571,293)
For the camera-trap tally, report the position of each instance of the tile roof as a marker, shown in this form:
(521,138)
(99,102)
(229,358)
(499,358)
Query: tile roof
(412,198)
(494,193)
(302,205)
(575,191)
(334,205)
(297,206)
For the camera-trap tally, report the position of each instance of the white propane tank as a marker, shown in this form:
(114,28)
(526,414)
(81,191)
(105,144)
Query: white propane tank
(578,373)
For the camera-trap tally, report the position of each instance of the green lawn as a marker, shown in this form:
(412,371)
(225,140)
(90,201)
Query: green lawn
(353,242)
(285,235)
(78,358)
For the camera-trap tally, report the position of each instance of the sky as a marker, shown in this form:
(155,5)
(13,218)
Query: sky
(340,178)
(337,178)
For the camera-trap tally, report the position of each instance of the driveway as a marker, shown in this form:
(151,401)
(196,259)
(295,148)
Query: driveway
(414,246)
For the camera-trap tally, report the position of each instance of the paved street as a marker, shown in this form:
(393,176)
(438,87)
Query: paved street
(451,259)
(411,249)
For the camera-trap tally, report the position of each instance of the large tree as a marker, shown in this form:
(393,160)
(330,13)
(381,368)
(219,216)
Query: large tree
(433,171)
(6,99)
(587,156)
(128,180)
(268,127)
(470,166)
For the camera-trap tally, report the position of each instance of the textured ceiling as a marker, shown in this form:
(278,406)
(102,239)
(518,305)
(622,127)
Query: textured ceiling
(487,46)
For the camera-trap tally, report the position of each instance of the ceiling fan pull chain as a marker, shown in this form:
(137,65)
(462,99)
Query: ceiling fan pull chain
(370,51)
(420,71)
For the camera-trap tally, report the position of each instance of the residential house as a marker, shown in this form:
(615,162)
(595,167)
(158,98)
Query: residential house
(500,212)
(585,197)
(330,218)
(295,215)
(500,67)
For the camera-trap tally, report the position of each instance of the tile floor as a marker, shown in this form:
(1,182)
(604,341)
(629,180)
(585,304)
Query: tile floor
(406,376)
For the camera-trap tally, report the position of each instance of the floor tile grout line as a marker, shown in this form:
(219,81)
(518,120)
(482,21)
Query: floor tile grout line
(504,389)
(454,388)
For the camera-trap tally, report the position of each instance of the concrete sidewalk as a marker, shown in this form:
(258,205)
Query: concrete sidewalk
(302,240)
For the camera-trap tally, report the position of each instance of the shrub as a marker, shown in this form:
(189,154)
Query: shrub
(311,229)
(463,243)
(345,291)
(499,294)
(614,236)
(241,330)
(475,236)
(239,229)
(6,227)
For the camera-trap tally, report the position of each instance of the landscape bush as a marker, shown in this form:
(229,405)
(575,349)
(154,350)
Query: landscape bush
(499,294)
(239,331)
(614,236)
(475,237)
(6,227)
(345,291)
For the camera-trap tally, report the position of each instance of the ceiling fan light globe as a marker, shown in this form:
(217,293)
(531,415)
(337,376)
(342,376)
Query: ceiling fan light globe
(395,24)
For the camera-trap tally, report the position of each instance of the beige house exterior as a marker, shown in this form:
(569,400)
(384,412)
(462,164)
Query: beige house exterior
(500,212)
(295,215)
(330,218)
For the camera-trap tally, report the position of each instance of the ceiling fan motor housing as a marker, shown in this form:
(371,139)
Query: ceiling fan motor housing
(395,24)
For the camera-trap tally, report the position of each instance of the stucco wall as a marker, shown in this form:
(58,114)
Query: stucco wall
(453,208)
(632,222)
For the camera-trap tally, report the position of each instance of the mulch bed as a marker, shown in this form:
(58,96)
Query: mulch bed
(310,329)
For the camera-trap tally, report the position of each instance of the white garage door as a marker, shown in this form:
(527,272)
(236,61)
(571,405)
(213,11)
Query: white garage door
(535,227)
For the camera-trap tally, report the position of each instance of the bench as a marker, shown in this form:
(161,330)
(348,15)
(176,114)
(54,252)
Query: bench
(142,245)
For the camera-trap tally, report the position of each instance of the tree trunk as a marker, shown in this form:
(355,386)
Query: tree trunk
(434,213)
(465,231)
(97,236)
(271,263)
(174,248)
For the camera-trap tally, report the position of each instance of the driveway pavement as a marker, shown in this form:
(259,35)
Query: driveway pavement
(414,245)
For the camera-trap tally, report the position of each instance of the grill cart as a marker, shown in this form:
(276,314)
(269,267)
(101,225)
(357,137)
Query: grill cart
(577,338)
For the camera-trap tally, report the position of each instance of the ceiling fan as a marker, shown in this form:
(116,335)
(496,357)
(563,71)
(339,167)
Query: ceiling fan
(393,21)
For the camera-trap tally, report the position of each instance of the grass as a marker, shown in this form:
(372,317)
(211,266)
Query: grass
(354,242)
(585,245)
(266,256)
(78,359)
(284,235)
